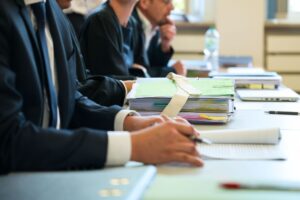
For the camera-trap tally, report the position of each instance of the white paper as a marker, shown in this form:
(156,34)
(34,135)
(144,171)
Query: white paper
(243,136)
(241,151)
(242,144)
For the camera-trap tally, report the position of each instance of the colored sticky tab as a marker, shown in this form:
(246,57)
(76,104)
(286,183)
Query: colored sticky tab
(212,117)
(269,86)
(255,86)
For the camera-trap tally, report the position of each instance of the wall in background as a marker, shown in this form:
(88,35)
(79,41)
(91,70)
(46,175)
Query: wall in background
(241,27)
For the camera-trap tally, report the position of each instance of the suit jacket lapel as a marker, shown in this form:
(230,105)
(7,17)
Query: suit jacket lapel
(29,38)
(63,75)
(141,37)
(29,26)
(32,36)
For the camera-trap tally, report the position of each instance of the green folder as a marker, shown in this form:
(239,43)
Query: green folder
(163,87)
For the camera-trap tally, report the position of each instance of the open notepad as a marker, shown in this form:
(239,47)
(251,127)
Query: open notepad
(242,144)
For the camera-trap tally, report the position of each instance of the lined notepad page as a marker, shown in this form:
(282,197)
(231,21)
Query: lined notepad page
(242,144)
(241,151)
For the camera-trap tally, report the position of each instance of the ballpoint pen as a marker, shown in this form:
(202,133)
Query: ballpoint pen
(283,112)
(200,140)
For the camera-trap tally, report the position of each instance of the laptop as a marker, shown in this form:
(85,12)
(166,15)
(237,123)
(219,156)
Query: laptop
(280,94)
(111,183)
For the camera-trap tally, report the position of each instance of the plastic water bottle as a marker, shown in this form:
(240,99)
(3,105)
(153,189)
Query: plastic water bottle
(211,48)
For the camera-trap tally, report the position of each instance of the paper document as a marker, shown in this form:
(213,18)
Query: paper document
(243,136)
(215,104)
(241,152)
(162,87)
(242,144)
(251,79)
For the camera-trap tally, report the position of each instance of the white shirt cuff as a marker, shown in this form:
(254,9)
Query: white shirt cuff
(119,148)
(120,117)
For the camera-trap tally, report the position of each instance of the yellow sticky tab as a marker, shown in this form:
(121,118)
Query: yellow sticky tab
(255,86)
(211,117)
(269,87)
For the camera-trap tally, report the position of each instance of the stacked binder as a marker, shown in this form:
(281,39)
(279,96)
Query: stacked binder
(251,79)
(214,105)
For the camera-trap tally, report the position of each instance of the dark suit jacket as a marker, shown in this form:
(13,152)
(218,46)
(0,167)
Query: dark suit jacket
(96,87)
(106,46)
(154,59)
(24,144)
(110,49)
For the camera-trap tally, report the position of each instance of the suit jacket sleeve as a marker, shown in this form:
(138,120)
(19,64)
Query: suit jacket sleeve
(24,144)
(156,56)
(103,90)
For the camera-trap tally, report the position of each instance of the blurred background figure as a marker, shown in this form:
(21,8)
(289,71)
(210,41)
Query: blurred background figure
(78,10)
(156,33)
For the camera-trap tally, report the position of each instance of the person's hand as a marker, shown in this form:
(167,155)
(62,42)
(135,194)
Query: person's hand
(134,123)
(179,68)
(165,142)
(167,34)
(128,84)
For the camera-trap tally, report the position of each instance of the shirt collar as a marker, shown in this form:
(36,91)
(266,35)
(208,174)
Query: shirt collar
(146,23)
(29,2)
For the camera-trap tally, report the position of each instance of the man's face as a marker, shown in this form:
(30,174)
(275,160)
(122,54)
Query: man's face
(158,10)
(63,4)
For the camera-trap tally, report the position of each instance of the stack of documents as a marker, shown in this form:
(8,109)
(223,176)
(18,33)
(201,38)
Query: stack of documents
(235,61)
(195,68)
(251,78)
(214,105)
(282,94)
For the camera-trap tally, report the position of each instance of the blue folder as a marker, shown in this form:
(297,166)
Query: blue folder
(110,183)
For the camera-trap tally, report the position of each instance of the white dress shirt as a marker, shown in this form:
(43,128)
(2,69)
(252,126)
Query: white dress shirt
(119,141)
(83,7)
(149,31)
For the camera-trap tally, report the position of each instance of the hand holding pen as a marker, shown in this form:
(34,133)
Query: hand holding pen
(196,137)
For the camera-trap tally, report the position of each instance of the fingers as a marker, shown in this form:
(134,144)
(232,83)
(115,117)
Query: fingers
(177,119)
(128,85)
(179,65)
(168,32)
(180,68)
(166,118)
(182,125)
(153,120)
(189,148)
(186,158)
(181,120)
(168,20)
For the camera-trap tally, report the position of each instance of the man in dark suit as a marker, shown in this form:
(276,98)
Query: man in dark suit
(46,124)
(110,38)
(95,87)
(155,32)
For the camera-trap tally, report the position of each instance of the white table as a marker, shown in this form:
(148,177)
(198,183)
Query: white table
(185,182)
